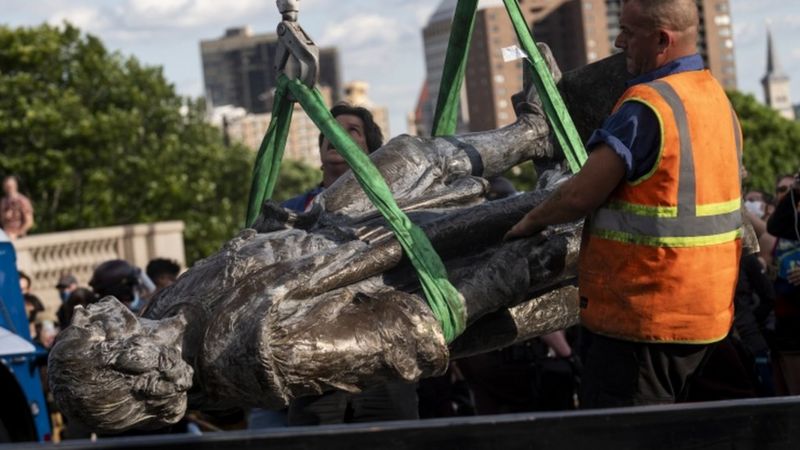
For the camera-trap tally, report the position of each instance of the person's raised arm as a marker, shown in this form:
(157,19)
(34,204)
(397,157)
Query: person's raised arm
(576,197)
(27,214)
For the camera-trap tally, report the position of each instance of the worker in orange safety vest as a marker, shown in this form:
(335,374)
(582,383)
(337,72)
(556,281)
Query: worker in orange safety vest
(662,241)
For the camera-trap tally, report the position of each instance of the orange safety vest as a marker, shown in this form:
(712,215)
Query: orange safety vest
(660,259)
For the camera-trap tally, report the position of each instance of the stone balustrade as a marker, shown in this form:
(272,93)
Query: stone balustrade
(45,257)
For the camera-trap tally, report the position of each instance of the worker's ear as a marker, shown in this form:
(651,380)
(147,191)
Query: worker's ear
(665,40)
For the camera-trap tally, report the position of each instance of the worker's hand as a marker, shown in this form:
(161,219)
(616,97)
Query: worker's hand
(524,228)
(794,276)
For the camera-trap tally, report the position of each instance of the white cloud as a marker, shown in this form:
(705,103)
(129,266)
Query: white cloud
(791,21)
(82,17)
(423,13)
(157,9)
(365,29)
(134,19)
(192,13)
(746,33)
(747,7)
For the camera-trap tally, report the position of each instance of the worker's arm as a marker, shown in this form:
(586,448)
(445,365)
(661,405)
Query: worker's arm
(576,197)
(759,226)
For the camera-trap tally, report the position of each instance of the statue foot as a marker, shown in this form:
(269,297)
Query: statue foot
(528,101)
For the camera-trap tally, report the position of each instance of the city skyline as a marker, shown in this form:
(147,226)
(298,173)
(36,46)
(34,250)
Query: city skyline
(379,42)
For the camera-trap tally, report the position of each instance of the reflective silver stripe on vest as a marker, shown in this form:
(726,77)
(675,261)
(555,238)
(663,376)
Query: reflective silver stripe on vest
(627,224)
(681,226)
(687,204)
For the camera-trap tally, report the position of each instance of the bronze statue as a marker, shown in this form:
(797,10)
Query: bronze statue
(305,303)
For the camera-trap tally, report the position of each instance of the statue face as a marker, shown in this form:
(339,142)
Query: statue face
(137,362)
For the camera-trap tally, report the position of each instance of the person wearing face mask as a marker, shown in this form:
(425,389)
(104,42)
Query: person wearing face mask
(122,280)
(67,284)
(784,225)
(755,204)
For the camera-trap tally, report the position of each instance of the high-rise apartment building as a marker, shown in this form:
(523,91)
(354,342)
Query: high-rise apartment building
(489,81)
(435,36)
(356,93)
(239,69)
(248,129)
(577,31)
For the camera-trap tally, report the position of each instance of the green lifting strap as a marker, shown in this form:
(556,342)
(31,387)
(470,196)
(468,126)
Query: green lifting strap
(455,62)
(444,300)
(554,106)
(445,119)
(270,154)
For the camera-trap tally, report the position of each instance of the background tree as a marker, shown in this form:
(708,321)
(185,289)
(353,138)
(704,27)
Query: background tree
(771,142)
(523,176)
(100,139)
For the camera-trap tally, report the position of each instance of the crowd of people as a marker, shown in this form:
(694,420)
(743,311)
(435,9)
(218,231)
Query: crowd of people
(673,308)
(117,277)
(768,291)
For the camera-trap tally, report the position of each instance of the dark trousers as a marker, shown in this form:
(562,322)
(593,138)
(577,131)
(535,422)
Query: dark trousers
(390,401)
(625,373)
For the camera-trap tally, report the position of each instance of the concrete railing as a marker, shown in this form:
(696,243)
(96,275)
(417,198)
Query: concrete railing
(45,257)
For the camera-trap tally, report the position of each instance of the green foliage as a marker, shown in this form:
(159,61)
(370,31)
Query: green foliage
(771,142)
(523,176)
(100,139)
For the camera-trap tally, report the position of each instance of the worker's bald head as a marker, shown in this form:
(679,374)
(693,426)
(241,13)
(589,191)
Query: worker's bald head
(655,32)
(675,15)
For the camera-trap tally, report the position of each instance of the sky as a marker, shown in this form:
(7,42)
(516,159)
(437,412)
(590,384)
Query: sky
(379,41)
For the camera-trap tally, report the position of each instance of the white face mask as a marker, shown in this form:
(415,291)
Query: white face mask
(756,207)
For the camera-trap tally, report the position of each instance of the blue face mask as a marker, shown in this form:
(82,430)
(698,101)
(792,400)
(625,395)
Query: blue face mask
(137,302)
(64,295)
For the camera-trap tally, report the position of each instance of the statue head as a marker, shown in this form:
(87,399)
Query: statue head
(113,371)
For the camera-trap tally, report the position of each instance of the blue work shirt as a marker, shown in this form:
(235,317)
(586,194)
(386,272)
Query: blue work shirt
(301,202)
(633,131)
